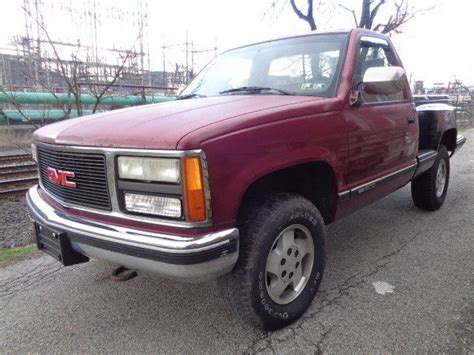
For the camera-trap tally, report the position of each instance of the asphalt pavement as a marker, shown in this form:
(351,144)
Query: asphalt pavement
(397,280)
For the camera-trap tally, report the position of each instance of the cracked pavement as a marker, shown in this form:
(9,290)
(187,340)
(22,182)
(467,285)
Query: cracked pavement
(428,258)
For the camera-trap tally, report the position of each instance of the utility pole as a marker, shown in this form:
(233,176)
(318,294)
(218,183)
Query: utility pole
(187,64)
(36,61)
(164,65)
(192,59)
(215,46)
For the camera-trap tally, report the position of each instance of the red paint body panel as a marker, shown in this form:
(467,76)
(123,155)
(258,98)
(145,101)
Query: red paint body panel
(247,137)
(157,126)
(252,153)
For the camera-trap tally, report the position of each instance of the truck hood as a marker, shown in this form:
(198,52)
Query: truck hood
(157,126)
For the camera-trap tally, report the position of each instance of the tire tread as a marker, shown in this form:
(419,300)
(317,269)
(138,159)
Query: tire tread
(238,284)
(423,188)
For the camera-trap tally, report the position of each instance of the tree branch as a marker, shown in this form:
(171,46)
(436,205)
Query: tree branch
(364,13)
(309,17)
(352,12)
(114,79)
(73,88)
(402,15)
(373,13)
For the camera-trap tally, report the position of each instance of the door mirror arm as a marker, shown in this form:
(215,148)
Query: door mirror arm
(355,98)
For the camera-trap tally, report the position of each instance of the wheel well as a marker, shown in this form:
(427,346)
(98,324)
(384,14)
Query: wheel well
(315,181)
(449,139)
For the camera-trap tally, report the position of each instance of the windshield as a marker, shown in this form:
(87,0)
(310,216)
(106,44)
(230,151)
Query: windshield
(307,65)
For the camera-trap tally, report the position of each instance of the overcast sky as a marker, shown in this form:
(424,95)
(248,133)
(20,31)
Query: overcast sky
(435,46)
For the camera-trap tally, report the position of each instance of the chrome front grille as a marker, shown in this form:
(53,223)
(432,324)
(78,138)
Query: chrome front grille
(90,177)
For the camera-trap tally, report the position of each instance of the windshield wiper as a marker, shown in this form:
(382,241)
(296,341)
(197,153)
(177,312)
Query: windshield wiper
(254,90)
(190,96)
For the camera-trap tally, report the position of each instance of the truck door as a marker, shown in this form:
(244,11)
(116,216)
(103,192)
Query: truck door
(382,130)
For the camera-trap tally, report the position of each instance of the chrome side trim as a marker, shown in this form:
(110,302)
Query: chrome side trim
(110,158)
(348,194)
(460,140)
(422,158)
(344,196)
(425,161)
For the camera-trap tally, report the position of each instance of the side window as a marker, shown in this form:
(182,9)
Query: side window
(372,55)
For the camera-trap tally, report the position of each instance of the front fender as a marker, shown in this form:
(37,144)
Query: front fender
(237,160)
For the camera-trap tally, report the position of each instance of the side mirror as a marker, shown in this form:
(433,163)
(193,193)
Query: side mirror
(384,80)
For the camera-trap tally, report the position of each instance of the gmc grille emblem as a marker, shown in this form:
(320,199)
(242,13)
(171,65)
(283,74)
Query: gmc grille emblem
(60,177)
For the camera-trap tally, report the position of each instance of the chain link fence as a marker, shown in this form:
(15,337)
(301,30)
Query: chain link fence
(464,111)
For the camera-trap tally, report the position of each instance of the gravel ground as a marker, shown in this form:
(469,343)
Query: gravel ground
(16,228)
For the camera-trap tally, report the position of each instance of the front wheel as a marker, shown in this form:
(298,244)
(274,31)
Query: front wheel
(281,262)
(429,189)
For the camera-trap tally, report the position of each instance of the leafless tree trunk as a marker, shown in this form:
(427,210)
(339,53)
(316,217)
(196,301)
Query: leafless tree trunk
(308,17)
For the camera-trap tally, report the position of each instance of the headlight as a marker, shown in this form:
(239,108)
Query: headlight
(149,169)
(157,205)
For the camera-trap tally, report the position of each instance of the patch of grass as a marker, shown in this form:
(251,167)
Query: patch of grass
(16,253)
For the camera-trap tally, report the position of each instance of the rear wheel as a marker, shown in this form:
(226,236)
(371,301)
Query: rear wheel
(429,189)
(281,262)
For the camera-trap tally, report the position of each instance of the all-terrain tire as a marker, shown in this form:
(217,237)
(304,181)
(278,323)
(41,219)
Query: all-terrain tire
(262,224)
(426,189)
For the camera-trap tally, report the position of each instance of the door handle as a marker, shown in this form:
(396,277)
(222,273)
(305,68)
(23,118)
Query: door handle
(411,119)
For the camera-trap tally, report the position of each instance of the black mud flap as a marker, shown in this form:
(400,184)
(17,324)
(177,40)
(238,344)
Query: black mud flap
(58,245)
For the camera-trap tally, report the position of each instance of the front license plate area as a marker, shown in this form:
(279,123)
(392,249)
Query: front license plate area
(58,245)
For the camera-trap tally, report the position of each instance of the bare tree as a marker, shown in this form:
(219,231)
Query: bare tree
(401,13)
(70,72)
(369,12)
(72,80)
(99,93)
(400,16)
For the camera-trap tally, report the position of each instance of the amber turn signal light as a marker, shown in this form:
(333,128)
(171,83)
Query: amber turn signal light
(194,190)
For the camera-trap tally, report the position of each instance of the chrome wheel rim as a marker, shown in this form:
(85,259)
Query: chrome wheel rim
(289,264)
(440,178)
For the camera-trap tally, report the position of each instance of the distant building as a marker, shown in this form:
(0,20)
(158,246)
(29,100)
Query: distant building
(20,73)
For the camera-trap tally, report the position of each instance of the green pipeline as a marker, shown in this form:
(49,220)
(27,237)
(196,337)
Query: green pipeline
(38,115)
(86,99)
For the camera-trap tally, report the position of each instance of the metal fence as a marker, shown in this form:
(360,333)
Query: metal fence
(465,114)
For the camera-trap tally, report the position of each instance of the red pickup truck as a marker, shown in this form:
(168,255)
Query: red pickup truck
(240,175)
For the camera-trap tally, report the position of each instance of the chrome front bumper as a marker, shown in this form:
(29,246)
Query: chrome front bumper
(192,259)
